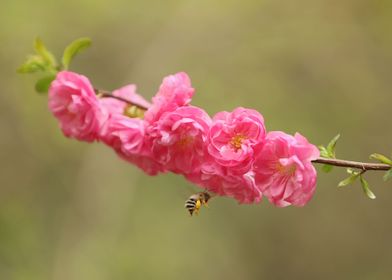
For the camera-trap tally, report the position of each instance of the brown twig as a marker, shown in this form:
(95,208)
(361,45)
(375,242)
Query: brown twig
(353,164)
(107,94)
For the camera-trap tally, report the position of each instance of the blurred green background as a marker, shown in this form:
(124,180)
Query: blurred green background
(70,210)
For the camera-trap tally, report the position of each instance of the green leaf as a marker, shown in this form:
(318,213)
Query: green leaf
(33,64)
(348,181)
(323,151)
(73,49)
(43,84)
(329,151)
(388,175)
(352,171)
(47,56)
(332,145)
(366,188)
(381,158)
(327,168)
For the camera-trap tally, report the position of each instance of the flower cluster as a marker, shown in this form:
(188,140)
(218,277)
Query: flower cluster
(230,154)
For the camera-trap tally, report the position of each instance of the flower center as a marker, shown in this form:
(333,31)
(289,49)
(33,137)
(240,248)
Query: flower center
(185,141)
(236,141)
(286,170)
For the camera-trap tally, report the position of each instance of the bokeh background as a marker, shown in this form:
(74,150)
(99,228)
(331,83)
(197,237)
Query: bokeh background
(70,210)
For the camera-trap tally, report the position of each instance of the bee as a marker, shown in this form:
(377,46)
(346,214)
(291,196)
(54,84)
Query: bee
(196,201)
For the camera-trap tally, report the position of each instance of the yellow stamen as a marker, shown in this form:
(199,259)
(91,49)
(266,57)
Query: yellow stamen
(286,170)
(236,141)
(185,141)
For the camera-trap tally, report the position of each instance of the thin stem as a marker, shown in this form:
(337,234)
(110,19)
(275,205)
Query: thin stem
(353,164)
(107,94)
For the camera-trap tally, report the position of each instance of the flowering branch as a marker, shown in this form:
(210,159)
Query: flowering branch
(365,166)
(230,154)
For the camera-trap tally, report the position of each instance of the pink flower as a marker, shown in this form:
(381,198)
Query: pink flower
(127,137)
(178,139)
(175,91)
(283,169)
(234,138)
(213,178)
(115,106)
(73,102)
(146,163)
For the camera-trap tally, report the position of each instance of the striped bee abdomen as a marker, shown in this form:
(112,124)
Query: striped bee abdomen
(190,204)
(195,201)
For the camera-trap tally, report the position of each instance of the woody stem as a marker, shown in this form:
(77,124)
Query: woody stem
(107,94)
(353,164)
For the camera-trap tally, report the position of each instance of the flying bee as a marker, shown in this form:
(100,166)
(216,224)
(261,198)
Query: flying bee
(196,201)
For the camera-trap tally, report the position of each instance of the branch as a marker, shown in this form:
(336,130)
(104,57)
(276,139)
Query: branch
(107,94)
(364,166)
(353,164)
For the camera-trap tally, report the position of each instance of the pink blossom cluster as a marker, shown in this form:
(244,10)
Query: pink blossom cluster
(230,154)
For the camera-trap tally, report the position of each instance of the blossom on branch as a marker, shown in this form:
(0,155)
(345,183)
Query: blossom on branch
(175,91)
(73,102)
(178,139)
(127,136)
(283,169)
(235,137)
